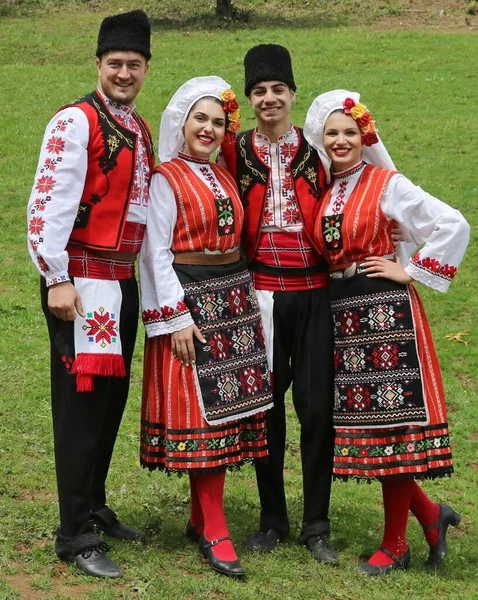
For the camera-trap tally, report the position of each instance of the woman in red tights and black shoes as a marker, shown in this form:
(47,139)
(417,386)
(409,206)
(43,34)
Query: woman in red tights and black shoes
(390,414)
(206,380)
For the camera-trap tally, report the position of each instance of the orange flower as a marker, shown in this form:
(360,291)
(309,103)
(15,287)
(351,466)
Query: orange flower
(234,126)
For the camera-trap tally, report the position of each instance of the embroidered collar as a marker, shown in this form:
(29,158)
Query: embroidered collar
(115,107)
(351,171)
(193,159)
(282,138)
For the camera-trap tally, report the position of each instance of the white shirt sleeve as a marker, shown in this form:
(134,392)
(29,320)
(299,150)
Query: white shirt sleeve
(441,229)
(162,294)
(57,191)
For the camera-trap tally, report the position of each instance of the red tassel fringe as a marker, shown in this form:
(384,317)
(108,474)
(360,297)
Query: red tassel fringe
(86,366)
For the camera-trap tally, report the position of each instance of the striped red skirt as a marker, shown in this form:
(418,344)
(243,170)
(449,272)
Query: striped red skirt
(377,372)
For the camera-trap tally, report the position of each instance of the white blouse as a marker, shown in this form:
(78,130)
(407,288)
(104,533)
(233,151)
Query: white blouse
(441,230)
(160,286)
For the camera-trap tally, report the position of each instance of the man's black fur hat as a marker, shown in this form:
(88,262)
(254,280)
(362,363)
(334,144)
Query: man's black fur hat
(129,31)
(268,62)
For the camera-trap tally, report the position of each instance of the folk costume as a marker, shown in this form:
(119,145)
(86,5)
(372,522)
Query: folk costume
(203,418)
(389,412)
(86,221)
(280,185)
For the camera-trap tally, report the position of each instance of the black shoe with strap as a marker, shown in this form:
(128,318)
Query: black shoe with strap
(438,551)
(105,520)
(399,562)
(192,532)
(230,568)
(265,540)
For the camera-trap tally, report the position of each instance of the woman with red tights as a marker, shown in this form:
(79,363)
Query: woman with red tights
(390,414)
(206,380)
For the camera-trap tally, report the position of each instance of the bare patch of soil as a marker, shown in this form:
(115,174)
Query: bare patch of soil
(432,15)
(21,583)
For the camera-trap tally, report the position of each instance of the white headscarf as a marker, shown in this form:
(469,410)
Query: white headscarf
(171,137)
(320,110)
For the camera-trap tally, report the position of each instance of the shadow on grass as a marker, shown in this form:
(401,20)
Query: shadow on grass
(245,20)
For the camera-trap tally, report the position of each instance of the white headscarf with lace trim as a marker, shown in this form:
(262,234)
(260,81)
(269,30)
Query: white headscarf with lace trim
(171,136)
(320,110)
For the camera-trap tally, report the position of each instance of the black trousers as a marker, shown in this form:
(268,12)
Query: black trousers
(303,356)
(85,424)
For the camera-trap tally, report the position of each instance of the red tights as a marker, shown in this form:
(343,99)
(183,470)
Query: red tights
(207,493)
(399,496)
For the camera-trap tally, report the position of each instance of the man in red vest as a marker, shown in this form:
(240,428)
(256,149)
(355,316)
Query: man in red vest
(86,220)
(280,179)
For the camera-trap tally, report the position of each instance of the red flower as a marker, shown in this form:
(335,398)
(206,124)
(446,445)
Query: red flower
(167,311)
(262,151)
(202,445)
(363,452)
(369,139)
(42,264)
(291,215)
(151,316)
(448,271)
(288,149)
(36,225)
(230,106)
(364,120)
(45,184)
(102,327)
(431,264)
(287,182)
(55,145)
(348,103)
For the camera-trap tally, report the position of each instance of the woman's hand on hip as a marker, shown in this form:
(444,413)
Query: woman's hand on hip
(182,344)
(377,266)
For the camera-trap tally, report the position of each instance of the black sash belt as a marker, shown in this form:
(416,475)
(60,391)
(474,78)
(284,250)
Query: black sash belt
(255,265)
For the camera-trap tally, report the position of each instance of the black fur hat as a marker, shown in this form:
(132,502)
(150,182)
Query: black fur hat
(268,62)
(129,31)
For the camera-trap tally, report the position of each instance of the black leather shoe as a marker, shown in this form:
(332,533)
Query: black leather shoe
(94,562)
(230,568)
(399,562)
(322,549)
(438,552)
(265,540)
(105,520)
(192,532)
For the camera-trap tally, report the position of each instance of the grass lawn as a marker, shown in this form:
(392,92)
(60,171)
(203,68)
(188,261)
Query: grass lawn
(422,90)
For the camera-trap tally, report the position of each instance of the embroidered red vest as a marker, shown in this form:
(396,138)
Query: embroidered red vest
(104,204)
(203,222)
(253,177)
(362,229)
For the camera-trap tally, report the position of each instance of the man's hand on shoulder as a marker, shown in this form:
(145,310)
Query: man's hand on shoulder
(64,301)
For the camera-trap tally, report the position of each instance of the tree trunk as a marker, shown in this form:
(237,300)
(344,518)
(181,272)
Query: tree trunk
(224,8)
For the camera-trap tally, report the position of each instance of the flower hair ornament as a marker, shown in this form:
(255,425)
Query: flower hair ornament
(171,134)
(233,114)
(362,116)
(373,149)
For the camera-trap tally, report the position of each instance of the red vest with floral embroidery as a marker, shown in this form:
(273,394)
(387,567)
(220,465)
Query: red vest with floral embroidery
(253,177)
(362,229)
(104,204)
(199,225)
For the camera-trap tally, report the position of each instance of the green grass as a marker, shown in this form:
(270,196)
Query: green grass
(422,91)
